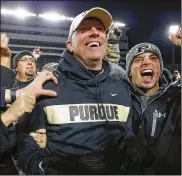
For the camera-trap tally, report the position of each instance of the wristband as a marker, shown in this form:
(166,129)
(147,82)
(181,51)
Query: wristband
(13,95)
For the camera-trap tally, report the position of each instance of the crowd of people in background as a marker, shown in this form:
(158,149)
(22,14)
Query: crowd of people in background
(88,114)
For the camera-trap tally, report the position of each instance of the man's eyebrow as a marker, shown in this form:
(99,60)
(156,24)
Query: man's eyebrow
(138,57)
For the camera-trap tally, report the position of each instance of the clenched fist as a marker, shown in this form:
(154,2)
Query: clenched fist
(24,103)
(176,37)
(5,51)
(114,33)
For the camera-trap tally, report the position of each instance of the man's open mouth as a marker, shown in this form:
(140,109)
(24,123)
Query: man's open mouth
(147,74)
(93,44)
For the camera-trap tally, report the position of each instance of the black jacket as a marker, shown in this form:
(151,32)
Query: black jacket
(81,121)
(157,122)
(158,119)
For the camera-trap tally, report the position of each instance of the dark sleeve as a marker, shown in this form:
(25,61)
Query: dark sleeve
(7,76)
(7,80)
(129,123)
(2,98)
(28,154)
(30,122)
(7,137)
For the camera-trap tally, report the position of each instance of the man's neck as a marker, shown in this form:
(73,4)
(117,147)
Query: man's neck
(149,91)
(152,91)
(92,66)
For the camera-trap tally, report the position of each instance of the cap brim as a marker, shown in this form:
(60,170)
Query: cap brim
(101,14)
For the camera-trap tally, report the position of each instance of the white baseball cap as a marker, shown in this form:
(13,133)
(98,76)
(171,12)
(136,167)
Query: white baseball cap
(97,12)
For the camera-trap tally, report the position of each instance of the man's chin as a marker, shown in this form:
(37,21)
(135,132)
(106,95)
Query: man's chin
(95,59)
(148,85)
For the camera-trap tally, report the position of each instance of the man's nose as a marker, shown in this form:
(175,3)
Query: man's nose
(94,32)
(146,61)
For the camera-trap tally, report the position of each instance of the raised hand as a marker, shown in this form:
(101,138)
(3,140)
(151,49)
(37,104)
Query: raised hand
(5,51)
(35,88)
(176,37)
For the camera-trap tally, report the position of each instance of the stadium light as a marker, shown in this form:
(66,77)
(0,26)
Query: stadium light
(54,17)
(51,16)
(20,12)
(173,28)
(119,24)
(6,11)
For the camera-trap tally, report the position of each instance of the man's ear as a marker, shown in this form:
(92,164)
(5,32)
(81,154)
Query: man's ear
(69,46)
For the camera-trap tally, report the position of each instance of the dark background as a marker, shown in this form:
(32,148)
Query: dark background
(148,20)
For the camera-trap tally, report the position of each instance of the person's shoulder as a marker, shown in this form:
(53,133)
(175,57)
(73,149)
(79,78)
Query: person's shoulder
(7,76)
(176,87)
(60,77)
(177,83)
(117,72)
(7,71)
(174,90)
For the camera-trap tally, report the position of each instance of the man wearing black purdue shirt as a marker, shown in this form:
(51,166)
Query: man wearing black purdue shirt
(91,108)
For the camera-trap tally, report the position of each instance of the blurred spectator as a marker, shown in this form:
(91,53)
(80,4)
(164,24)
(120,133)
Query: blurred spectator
(25,66)
(37,53)
(175,74)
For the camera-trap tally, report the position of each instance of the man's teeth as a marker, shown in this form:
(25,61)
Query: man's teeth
(93,44)
(147,71)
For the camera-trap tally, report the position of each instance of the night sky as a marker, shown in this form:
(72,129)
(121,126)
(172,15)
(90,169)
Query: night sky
(148,20)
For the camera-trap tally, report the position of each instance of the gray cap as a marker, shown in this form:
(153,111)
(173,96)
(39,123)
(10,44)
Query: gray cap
(140,49)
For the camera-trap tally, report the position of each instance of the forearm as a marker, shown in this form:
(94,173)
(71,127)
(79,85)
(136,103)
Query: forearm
(6,119)
(113,53)
(6,62)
